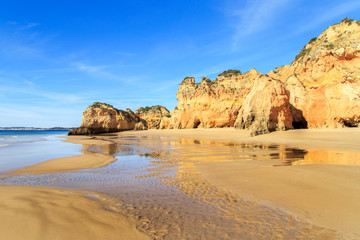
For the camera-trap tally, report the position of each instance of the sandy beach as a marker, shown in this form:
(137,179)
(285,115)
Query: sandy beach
(217,166)
(325,191)
(86,160)
(52,213)
(48,213)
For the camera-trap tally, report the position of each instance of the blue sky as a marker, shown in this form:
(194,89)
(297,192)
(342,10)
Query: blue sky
(58,57)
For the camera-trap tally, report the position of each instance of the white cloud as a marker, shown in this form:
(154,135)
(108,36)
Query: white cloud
(102,71)
(29,83)
(255,16)
(88,68)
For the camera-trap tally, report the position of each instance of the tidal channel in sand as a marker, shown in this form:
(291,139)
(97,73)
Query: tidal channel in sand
(176,187)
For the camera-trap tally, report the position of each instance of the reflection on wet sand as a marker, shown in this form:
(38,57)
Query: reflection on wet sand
(155,181)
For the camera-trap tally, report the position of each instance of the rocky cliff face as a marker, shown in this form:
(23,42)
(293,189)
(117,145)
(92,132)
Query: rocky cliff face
(209,103)
(321,88)
(324,79)
(104,118)
(153,115)
(266,108)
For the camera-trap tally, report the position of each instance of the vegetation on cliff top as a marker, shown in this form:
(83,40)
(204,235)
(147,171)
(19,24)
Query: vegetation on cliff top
(152,108)
(349,21)
(102,105)
(230,72)
(105,106)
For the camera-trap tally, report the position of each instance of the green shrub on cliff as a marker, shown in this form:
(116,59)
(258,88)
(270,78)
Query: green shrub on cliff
(101,105)
(302,53)
(230,72)
(330,46)
(312,40)
(145,109)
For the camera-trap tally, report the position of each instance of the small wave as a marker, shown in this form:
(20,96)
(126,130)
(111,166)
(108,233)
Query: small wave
(3,145)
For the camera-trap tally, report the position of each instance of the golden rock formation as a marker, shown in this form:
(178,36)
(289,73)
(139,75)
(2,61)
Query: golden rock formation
(152,115)
(102,117)
(321,88)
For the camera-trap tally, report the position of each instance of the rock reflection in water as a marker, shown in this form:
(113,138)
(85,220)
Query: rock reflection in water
(172,200)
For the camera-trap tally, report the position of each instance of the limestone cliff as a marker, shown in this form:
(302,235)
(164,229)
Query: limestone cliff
(104,118)
(209,103)
(153,115)
(266,108)
(321,88)
(324,79)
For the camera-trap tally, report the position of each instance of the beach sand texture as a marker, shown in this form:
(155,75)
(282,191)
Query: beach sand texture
(312,176)
(47,213)
(323,187)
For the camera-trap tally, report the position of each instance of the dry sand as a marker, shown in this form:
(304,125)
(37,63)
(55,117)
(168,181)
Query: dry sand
(47,213)
(323,194)
(326,195)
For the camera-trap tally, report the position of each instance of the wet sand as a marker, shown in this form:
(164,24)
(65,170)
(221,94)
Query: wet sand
(224,184)
(322,188)
(87,160)
(345,139)
(48,213)
(51,213)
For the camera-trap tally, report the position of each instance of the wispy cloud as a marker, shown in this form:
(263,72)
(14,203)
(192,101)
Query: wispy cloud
(104,72)
(341,9)
(44,95)
(29,83)
(29,26)
(255,16)
(82,67)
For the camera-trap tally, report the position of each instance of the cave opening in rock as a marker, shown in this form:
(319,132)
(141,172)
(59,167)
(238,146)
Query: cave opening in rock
(300,124)
(350,123)
(196,124)
(299,121)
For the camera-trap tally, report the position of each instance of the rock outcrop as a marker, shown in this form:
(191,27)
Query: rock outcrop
(266,108)
(104,118)
(153,115)
(321,88)
(210,104)
(324,79)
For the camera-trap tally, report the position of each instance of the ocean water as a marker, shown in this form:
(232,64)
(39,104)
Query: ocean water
(21,148)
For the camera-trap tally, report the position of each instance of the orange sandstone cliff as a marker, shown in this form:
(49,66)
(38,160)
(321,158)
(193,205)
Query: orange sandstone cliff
(321,88)
(324,79)
(153,115)
(104,118)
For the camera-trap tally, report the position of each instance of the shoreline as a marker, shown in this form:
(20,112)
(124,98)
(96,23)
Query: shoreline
(320,194)
(86,160)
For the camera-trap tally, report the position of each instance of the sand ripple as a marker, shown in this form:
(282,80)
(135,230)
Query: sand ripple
(170,200)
